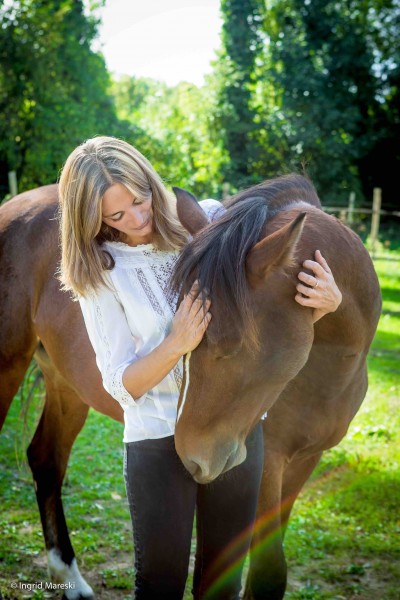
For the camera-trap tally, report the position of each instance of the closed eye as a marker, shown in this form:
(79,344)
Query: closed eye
(230,355)
(118,216)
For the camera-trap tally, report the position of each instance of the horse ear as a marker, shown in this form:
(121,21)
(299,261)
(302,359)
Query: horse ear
(190,214)
(274,251)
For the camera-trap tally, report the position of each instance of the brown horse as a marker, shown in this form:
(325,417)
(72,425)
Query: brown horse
(309,416)
(261,351)
(37,318)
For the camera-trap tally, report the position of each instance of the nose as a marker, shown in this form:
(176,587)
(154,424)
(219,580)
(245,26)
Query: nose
(138,216)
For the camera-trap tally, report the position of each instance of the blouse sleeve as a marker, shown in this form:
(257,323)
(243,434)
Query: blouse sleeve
(212,208)
(112,341)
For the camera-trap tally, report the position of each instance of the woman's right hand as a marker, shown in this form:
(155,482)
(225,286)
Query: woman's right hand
(190,322)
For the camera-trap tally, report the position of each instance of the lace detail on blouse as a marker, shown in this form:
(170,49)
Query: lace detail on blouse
(149,292)
(99,316)
(162,264)
(118,388)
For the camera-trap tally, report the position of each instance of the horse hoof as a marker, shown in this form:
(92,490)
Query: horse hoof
(73,584)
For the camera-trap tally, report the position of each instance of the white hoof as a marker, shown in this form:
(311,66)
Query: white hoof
(72,583)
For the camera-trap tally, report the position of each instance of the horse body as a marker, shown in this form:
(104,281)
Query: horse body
(314,410)
(311,379)
(37,318)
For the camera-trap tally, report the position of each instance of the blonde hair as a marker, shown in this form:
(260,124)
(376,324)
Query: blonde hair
(90,170)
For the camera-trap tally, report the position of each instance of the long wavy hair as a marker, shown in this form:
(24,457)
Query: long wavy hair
(90,170)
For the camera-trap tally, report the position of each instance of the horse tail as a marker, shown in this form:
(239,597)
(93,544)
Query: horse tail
(31,389)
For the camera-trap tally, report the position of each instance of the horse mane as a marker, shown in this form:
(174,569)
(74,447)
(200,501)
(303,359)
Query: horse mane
(216,256)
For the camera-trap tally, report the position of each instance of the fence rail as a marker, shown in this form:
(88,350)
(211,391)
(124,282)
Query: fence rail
(346,214)
(367,211)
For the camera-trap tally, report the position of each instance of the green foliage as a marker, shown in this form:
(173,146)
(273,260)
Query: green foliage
(335,69)
(242,40)
(296,83)
(183,145)
(53,87)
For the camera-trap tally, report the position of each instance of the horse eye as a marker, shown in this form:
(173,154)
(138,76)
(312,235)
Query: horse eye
(230,355)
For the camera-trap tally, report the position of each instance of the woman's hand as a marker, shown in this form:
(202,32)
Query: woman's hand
(190,321)
(319,291)
(188,327)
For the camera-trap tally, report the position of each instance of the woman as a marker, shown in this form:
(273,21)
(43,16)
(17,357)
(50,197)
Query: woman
(120,239)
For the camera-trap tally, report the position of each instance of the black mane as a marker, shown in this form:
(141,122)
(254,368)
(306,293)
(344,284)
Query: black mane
(217,254)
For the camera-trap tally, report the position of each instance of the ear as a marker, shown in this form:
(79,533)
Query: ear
(274,251)
(190,214)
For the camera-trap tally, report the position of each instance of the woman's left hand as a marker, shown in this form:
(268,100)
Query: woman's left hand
(318,291)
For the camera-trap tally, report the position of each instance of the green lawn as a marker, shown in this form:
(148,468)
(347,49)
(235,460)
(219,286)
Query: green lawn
(343,540)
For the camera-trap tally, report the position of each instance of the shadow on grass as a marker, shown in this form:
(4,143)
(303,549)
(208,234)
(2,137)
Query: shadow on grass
(390,294)
(386,341)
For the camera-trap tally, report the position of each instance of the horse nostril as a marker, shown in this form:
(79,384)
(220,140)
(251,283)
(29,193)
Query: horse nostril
(199,472)
(205,468)
(190,466)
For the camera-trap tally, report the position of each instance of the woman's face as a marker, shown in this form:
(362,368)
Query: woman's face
(133,217)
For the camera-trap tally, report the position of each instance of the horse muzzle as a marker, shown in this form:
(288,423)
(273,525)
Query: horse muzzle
(205,467)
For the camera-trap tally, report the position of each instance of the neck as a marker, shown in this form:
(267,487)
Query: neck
(147,239)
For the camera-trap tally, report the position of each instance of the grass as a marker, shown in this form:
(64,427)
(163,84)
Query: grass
(343,540)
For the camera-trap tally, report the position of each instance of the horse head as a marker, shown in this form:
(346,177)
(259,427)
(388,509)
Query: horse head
(258,339)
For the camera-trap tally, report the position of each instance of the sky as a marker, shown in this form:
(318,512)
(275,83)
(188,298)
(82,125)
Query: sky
(168,40)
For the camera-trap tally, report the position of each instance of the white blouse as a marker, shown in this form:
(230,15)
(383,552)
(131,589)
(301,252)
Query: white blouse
(127,322)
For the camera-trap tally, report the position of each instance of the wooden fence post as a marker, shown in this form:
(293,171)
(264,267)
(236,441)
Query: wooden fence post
(376,207)
(225,191)
(12,183)
(350,210)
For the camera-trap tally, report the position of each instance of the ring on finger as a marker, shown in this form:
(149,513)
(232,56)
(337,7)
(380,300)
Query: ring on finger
(316,285)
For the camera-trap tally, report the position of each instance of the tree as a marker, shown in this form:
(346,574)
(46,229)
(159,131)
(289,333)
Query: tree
(335,69)
(236,116)
(183,144)
(53,87)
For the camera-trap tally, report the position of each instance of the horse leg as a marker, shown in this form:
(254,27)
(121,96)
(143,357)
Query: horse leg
(295,476)
(267,578)
(62,419)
